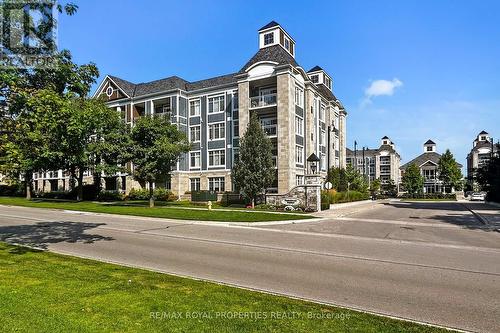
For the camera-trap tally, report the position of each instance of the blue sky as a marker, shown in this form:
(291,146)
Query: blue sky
(412,70)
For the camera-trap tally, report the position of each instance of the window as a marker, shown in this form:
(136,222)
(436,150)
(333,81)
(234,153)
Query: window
(429,148)
(314,78)
(216,104)
(109,91)
(195,184)
(194,158)
(217,158)
(287,44)
(299,180)
(194,133)
(322,138)
(165,107)
(269,38)
(216,131)
(299,126)
(194,108)
(236,129)
(328,82)
(269,125)
(299,154)
(236,102)
(323,162)
(216,184)
(322,112)
(429,174)
(299,97)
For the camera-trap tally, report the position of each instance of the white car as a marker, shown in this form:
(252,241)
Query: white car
(477,196)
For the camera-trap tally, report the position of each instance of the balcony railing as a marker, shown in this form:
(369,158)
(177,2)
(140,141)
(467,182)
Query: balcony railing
(263,101)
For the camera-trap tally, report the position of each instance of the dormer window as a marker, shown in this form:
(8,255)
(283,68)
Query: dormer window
(483,138)
(315,78)
(386,142)
(328,82)
(269,38)
(429,148)
(287,44)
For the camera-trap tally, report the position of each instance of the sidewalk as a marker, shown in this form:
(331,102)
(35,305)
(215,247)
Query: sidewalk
(345,209)
(488,214)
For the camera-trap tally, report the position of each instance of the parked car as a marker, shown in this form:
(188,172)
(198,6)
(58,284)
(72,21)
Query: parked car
(477,196)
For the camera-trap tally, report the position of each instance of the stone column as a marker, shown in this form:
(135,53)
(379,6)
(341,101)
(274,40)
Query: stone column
(243,107)
(286,133)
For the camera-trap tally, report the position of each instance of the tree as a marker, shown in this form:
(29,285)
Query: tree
(389,188)
(254,170)
(156,147)
(449,171)
(488,178)
(334,177)
(375,186)
(413,181)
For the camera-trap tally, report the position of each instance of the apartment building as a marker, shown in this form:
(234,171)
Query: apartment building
(428,163)
(297,109)
(381,163)
(482,150)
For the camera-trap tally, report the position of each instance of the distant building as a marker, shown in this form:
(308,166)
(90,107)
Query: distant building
(428,164)
(381,163)
(480,154)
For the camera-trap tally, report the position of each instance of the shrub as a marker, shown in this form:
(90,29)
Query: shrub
(160,194)
(12,190)
(110,196)
(66,195)
(333,197)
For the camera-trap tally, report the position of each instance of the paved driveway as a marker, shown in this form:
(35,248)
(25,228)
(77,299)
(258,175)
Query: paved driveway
(447,223)
(446,284)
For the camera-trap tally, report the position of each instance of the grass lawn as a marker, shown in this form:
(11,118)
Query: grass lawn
(430,200)
(46,292)
(171,212)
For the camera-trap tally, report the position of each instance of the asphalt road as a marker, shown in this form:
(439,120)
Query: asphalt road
(453,283)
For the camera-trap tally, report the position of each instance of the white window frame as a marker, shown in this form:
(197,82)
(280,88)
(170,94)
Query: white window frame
(299,125)
(190,133)
(299,180)
(211,100)
(197,102)
(198,153)
(322,112)
(322,138)
(212,130)
(322,162)
(219,181)
(299,158)
(271,39)
(197,181)
(213,151)
(299,97)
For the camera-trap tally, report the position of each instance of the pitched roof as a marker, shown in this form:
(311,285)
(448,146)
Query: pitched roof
(327,93)
(269,25)
(212,82)
(272,53)
(126,86)
(429,142)
(483,132)
(315,69)
(385,138)
(421,159)
(169,83)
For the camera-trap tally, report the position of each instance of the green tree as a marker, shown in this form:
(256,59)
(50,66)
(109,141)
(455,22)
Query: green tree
(375,186)
(389,188)
(449,171)
(488,178)
(412,180)
(254,170)
(156,147)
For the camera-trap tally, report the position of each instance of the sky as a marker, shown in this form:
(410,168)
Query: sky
(412,70)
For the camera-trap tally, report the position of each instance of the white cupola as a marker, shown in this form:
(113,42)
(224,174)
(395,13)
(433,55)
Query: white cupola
(273,34)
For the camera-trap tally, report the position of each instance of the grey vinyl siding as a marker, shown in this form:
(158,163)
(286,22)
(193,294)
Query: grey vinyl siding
(299,111)
(218,144)
(215,118)
(204,134)
(299,140)
(195,146)
(195,120)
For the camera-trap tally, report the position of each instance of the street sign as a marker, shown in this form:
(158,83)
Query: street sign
(328,185)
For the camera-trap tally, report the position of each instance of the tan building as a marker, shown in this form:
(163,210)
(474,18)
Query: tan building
(297,109)
(482,151)
(382,163)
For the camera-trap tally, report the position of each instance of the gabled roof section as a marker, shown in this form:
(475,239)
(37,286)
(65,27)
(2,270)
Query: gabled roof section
(127,86)
(483,132)
(169,83)
(213,82)
(429,142)
(315,69)
(385,138)
(273,53)
(424,158)
(269,25)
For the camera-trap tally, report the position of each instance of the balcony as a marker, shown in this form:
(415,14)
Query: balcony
(263,101)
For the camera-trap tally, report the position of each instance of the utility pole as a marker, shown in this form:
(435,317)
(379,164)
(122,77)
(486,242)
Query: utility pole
(355,155)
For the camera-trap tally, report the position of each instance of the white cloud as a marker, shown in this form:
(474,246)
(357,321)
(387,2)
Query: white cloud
(380,88)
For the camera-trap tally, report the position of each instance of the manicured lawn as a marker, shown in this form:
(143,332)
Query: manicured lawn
(46,292)
(171,212)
